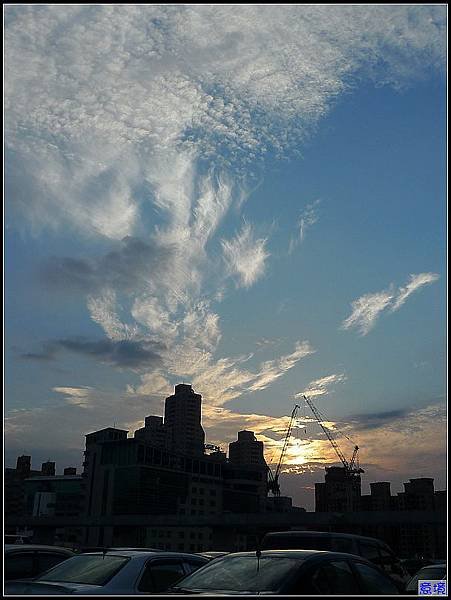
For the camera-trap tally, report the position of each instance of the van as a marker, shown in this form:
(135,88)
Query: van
(372,549)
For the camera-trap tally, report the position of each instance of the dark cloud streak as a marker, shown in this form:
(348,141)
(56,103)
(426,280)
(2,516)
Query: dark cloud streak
(128,266)
(119,353)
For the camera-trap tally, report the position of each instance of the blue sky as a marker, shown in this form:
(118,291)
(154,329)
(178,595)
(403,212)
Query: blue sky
(254,203)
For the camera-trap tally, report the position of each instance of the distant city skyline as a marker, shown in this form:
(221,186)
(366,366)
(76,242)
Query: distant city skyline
(251,200)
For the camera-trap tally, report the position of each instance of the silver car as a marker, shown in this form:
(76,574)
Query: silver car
(114,572)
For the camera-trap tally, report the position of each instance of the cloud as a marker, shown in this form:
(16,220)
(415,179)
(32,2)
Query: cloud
(88,115)
(224,379)
(245,256)
(130,265)
(367,309)
(379,419)
(309,216)
(78,396)
(416,281)
(319,387)
(119,353)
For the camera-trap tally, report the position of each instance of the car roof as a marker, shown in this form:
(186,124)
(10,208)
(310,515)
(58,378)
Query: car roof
(434,566)
(301,554)
(21,547)
(141,553)
(326,534)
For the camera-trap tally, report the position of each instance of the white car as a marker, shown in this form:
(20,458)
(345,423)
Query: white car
(114,572)
(435,572)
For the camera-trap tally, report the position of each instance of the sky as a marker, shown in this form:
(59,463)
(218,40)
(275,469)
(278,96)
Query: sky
(250,199)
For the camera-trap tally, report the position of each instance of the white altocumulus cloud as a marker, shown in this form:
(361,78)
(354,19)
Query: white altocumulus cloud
(367,309)
(99,98)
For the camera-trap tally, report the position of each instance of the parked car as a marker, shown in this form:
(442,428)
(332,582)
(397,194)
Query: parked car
(428,573)
(308,572)
(211,554)
(29,560)
(90,549)
(413,565)
(12,538)
(372,549)
(112,572)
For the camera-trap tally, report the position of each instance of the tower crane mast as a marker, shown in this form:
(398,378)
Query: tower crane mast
(352,467)
(273,483)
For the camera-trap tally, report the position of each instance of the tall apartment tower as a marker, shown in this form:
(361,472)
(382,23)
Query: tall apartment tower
(340,491)
(154,431)
(182,421)
(23,465)
(48,468)
(247,450)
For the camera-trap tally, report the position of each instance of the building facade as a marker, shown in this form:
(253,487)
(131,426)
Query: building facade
(164,470)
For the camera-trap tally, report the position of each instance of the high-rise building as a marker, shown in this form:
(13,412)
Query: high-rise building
(182,420)
(380,495)
(163,470)
(340,491)
(247,450)
(154,431)
(14,494)
(48,468)
(23,465)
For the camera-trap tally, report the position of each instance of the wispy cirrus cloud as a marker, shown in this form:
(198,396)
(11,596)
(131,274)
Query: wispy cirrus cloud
(415,283)
(367,309)
(309,216)
(320,387)
(245,256)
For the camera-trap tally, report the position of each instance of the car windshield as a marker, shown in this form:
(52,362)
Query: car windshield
(426,573)
(88,569)
(242,574)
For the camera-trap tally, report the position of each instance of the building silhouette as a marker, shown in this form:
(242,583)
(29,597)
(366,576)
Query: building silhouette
(340,491)
(159,487)
(182,421)
(164,470)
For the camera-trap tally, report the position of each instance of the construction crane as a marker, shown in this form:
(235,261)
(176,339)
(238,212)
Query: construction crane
(352,466)
(273,483)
